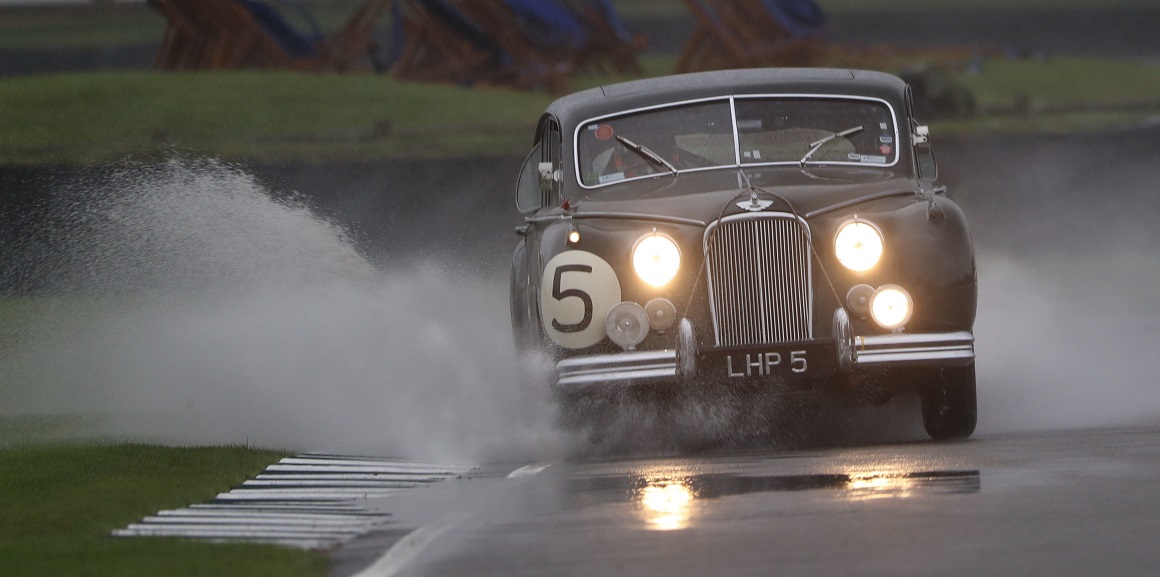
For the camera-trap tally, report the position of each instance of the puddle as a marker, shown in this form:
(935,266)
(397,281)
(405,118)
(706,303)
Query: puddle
(668,502)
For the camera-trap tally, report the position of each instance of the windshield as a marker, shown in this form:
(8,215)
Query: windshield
(763,131)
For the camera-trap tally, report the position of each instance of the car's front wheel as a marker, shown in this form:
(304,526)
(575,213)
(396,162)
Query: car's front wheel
(950,405)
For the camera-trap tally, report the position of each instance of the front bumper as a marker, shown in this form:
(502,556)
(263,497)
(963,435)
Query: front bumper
(851,353)
(929,349)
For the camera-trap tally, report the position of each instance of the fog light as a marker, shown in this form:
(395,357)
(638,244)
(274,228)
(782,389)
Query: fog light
(573,237)
(891,306)
(661,314)
(858,299)
(627,325)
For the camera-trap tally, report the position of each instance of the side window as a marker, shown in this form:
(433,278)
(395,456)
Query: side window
(528,194)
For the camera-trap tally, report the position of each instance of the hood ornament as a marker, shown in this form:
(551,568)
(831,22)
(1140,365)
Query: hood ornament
(754,204)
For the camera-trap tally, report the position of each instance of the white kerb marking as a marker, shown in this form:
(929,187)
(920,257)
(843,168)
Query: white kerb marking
(403,551)
(528,471)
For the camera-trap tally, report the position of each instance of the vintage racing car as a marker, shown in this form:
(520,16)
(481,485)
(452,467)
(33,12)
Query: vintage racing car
(773,228)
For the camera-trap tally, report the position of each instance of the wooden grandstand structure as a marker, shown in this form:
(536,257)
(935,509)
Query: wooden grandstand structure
(436,46)
(743,34)
(347,48)
(525,64)
(225,34)
(610,47)
(521,44)
(214,35)
(500,42)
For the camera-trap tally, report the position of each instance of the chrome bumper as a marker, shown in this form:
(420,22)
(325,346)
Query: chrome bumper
(631,366)
(939,349)
(670,365)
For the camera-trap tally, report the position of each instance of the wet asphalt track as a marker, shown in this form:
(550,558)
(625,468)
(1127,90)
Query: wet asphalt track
(1054,503)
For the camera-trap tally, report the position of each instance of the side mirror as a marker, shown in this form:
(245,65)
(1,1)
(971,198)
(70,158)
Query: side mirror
(548,177)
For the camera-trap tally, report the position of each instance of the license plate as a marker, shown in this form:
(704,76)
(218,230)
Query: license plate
(797,360)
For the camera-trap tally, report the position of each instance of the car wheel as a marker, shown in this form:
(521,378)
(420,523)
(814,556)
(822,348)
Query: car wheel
(950,406)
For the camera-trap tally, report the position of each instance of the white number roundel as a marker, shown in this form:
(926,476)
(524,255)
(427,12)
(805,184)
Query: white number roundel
(576,293)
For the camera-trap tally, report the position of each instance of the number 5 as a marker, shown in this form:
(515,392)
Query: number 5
(572,293)
(797,360)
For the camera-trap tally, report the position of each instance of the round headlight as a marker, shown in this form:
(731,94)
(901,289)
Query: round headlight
(890,306)
(656,259)
(858,246)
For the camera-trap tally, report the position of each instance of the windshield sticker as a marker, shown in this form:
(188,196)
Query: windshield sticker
(883,125)
(885,149)
(868,158)
(749,124)
(604,132)
(611,177)
(755,154)
(886,139)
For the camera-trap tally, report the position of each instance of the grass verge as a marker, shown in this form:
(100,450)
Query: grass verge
(96,117)
(285,116)
(59,503)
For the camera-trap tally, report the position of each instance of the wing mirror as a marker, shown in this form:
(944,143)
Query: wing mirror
(548,177)
(921,133)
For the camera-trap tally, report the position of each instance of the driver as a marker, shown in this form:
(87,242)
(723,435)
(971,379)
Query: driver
(620,161)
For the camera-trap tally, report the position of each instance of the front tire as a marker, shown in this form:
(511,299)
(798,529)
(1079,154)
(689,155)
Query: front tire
(950,405)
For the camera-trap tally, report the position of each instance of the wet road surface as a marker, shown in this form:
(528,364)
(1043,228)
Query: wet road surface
(1059,503)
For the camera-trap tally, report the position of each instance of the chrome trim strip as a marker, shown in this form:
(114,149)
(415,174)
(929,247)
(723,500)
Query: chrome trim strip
(736,132)
(957,348)
(718,337)
(634,216)
(617,215)
(637,366)
(859,200)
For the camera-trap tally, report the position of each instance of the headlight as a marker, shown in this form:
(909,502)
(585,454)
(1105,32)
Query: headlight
(890,306)
(656,259)
(858,246)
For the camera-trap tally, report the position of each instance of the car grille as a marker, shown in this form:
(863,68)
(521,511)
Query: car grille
(759,279)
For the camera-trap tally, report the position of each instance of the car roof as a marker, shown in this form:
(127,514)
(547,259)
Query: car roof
(578,107)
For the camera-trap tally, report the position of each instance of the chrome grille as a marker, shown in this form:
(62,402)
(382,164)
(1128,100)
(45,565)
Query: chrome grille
(759,279)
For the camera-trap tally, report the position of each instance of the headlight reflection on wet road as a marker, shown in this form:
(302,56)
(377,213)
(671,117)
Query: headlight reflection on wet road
(879,485)
(672,502)
(666,504)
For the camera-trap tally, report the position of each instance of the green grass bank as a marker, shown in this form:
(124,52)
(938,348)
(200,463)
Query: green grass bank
(58,504)
(90,118)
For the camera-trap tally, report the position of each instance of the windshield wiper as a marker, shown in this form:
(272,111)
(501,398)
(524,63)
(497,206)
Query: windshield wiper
(647,153)
(817,144)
